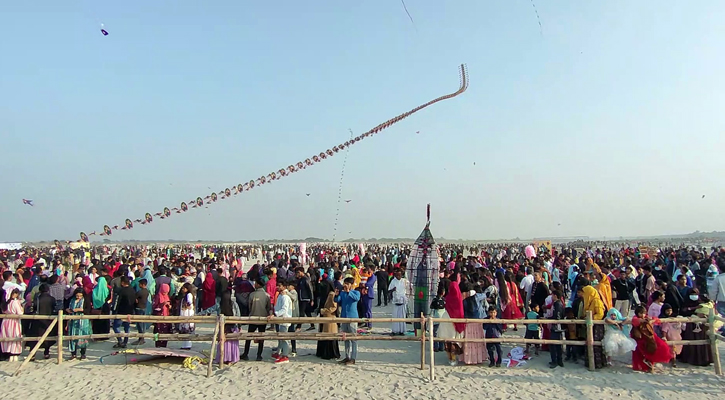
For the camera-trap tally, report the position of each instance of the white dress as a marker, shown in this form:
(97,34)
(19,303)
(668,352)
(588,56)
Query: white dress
(187,312)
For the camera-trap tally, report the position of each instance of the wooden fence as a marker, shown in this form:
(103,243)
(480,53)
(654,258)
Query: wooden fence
(427,322)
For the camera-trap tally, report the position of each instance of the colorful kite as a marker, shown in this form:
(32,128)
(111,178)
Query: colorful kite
(129,224)
(84,237)
(301,165)
(104,31)
(28,202)
(423,266)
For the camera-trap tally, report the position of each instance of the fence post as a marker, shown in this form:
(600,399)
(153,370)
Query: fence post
(60,336)
(713,342)
(432,352)
(222,340)
(213,348)
(590,340)
(422,341)
(37,346)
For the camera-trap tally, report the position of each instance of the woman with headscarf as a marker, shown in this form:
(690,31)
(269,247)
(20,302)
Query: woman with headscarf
(43,305)
(11,328)
(80,304)
(328,349)
(100,296)
(162,307)
(592,302)
(617,340)
(650,348)
(473,352)
(229,308)
(187,299)
(454,309)
(603,286)
(151,287)
(208,294)
(700,355)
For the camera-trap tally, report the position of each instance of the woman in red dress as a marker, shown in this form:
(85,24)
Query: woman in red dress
(650,348)
(510,297)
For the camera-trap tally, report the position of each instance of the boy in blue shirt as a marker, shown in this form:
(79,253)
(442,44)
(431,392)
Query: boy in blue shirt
(347,302)
(532,330)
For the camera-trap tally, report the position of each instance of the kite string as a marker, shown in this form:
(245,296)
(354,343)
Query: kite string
(406,11)
(315,159)
(339,190)
(541,29)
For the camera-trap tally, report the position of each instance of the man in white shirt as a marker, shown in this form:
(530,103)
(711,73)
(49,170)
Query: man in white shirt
(282,309)
(526,284)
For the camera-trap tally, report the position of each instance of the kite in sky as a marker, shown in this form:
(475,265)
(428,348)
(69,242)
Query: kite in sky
(30,202)
(308,195)
(703,196)
(406,11)
(347,201)
(103,30)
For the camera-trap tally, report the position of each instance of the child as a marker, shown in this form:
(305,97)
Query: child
(556,330)
(570,332)
(532,330)
(671,331)
(617,340)
(493,331)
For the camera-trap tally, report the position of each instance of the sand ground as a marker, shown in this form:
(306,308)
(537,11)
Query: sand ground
(385,370)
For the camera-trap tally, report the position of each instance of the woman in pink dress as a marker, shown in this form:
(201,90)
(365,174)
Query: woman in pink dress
(671,331)
(510,297)
(10,328)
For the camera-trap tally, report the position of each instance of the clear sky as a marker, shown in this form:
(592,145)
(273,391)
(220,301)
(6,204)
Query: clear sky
(608,121)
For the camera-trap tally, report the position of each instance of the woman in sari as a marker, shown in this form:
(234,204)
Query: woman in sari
(511,302)
(650,348)
(592,302)
(80,304)
(328,349)
(187,300)
(151,287)
(604,287)
(11,328)
(162,307)
(700,355)
(101,306)
(454,309)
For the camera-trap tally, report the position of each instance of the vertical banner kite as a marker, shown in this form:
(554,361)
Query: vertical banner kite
(424,268)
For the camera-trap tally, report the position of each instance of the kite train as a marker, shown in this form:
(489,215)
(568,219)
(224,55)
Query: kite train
(281,173)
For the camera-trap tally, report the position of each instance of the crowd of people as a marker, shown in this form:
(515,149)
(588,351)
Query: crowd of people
(631,290)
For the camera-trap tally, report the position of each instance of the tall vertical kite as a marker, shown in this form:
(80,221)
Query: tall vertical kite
(424,270)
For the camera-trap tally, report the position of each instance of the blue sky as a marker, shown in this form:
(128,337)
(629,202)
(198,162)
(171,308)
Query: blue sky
(608,121)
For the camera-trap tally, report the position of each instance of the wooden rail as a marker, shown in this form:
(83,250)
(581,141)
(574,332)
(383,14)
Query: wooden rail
(221,321)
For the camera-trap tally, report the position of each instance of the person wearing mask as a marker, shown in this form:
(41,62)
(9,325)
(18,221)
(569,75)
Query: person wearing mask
(260,305)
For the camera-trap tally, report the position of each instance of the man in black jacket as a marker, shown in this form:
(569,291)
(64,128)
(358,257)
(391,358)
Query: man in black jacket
(382,278)
(624,288)
(125,303)
(305,294)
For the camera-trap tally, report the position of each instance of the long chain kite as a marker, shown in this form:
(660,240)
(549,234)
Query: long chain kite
(276,175)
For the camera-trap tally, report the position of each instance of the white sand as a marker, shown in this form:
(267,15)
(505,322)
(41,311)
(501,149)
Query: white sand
(385,370)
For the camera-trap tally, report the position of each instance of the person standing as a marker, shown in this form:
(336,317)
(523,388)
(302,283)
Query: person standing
(398,287)
(260,305)
(368,294)
(556,331)
(381,276)
(624,289)
(347,301)
(305,294)
(142,298)
(125,305)
(282,309)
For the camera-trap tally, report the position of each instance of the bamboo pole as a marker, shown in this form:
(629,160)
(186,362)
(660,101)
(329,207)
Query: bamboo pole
(431,349)
(36,347)
(713,342)
(213,347)
(222,340)
(422,341)
(590,341)
(60,337)
(720,338)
